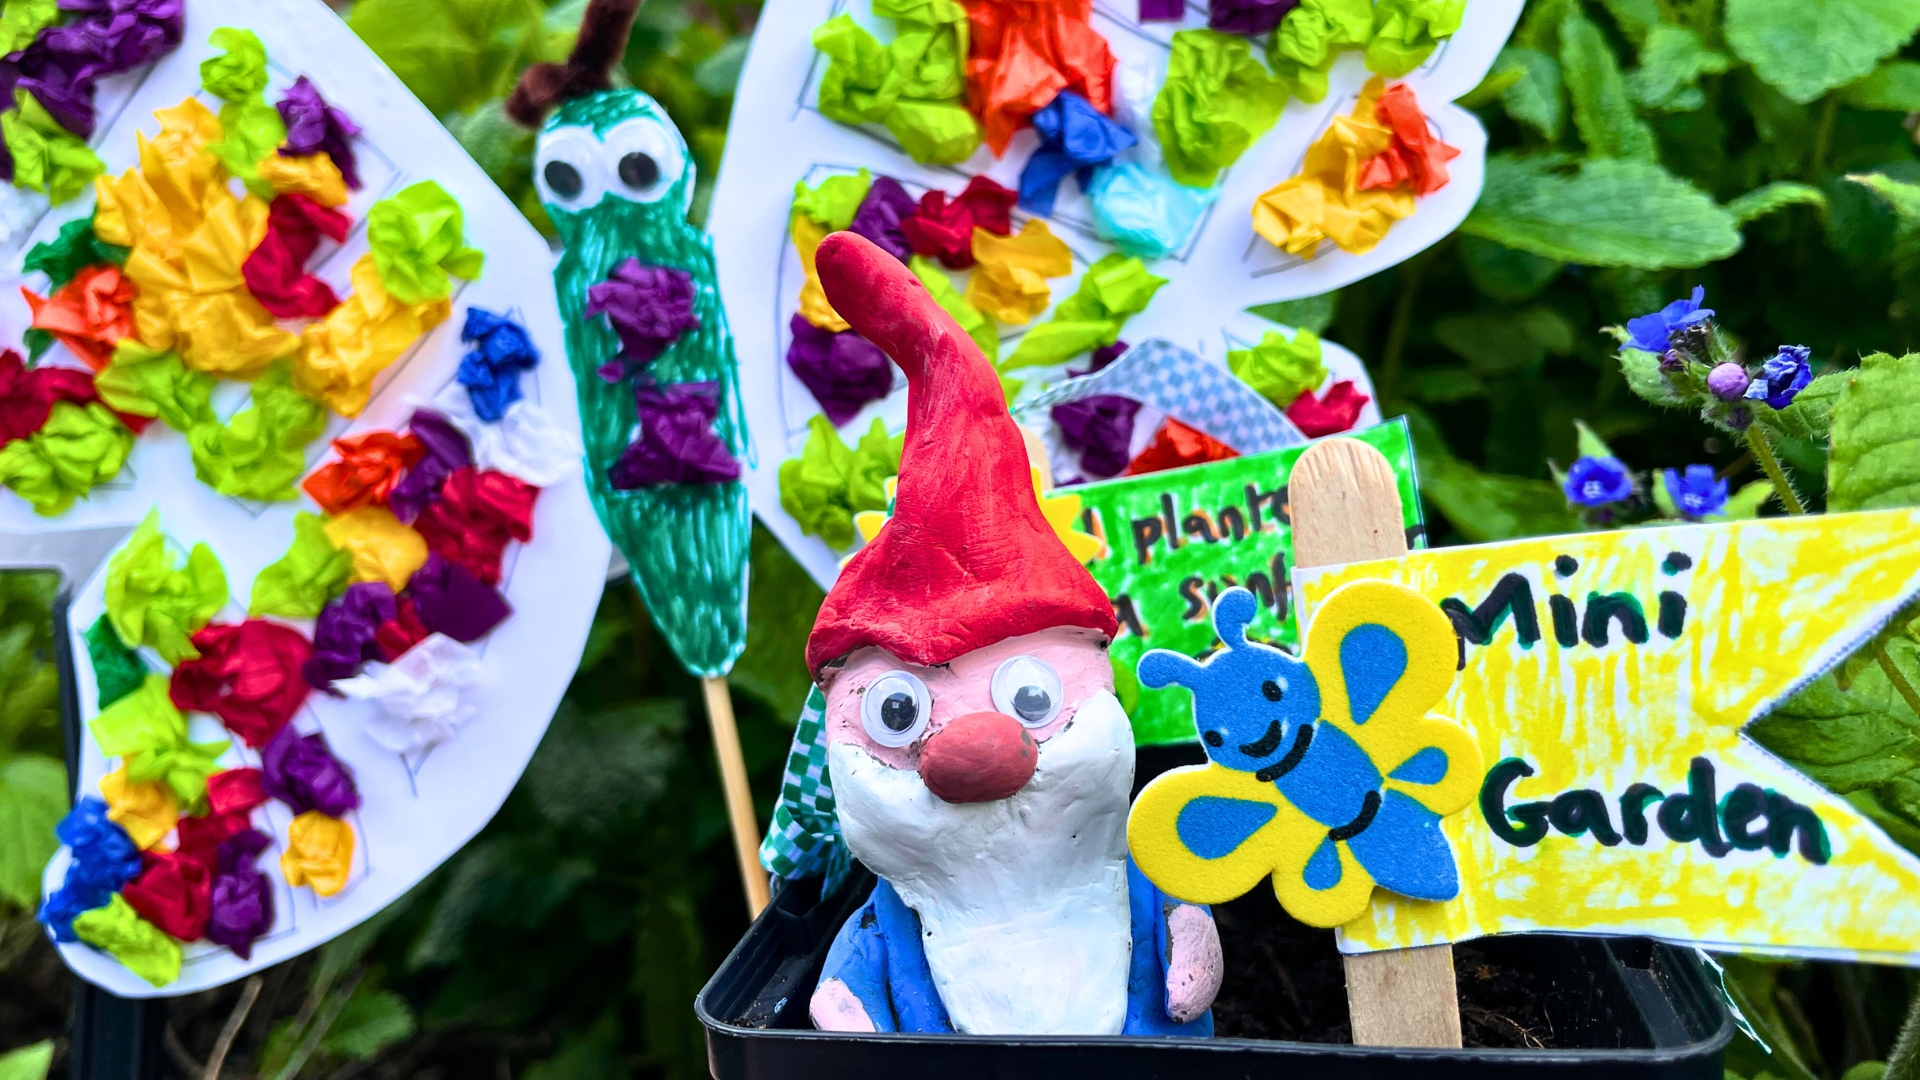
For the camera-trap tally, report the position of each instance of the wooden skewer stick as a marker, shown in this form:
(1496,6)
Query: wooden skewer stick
(733,778)
(1345,506)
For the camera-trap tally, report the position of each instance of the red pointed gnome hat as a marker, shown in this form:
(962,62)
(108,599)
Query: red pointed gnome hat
(967,559)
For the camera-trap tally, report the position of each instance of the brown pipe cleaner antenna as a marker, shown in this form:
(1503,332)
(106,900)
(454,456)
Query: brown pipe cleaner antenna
(601,44)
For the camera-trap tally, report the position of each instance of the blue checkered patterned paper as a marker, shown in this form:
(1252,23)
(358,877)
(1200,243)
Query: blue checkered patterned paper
(1188,387)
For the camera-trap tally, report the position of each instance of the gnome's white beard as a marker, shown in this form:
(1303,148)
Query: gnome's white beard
(1022,901)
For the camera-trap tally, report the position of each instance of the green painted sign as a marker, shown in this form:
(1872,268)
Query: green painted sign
(1174,539)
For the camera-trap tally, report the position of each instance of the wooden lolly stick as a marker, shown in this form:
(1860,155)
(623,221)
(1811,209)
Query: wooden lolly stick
(733,778)
(1345,507)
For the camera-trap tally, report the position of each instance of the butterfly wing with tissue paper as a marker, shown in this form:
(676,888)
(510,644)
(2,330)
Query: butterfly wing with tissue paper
(1326,773)
(647,338)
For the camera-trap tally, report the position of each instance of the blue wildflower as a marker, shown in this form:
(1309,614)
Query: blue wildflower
(1597,481)
(104,858)
(1698,493)
(491,371)
(1654,333)
(1782,377)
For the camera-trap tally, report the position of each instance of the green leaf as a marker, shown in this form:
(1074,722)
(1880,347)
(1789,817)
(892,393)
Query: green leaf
(1607,213)
(508,880)
(1503,273)
(1589,444)
(1808,47)
(1745,504)
(1903,197)
(1636,18)
(1866,1070)
(1601,112)
(1893,87)
(784,600)
(1505,342)
(1811,414)
(1538,100)
(1762,201)
(1444,385)
(1500,77)
(371,1021)
(455,54)
(596,772)
(28,1062)
(1313,313)
(1753,985)
(33,798)
(593,1054)
(1485,506)
(1844,741)
(1671,62)
(1875,459)
(1647,381)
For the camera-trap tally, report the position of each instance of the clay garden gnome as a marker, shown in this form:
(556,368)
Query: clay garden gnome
(980,762)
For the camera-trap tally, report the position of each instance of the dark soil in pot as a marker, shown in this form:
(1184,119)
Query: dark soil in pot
(1284,980)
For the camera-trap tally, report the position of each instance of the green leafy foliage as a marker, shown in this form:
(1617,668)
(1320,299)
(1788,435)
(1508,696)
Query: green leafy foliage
(368,1023)
(28,1062)
(33,780)
(1875,459)
(1601,112)
(1601,212)
(457,54)
(1807,47)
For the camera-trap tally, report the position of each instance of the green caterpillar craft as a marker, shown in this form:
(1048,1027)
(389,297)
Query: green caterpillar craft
(660,409)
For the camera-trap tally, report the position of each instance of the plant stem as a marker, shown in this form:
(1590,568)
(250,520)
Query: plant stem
(1899,679)
(1823,137)
(1763,453)
(249,993)
(1415,269)
(322,1023)
(1903,1062)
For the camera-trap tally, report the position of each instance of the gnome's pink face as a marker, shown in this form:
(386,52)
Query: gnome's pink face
(974,728)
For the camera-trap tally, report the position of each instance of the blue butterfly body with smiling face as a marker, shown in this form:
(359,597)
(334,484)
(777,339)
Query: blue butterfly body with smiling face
(1262,712)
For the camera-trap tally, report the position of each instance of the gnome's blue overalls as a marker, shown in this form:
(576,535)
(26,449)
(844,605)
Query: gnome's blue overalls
(878,956)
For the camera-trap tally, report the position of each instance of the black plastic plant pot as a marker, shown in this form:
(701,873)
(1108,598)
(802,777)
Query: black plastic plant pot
(1613,1008)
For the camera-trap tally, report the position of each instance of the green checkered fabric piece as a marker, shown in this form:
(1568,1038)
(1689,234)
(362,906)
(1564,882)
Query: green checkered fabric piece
(804,840)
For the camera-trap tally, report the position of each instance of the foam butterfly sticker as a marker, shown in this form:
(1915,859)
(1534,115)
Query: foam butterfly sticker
(1326,773)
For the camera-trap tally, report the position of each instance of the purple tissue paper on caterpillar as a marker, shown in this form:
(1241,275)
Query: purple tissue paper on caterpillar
(677,443)
(451,601)
(880,214)
(842,371)
(447,450)
(314,127)
(300,771)
(1162,10)
(649,307)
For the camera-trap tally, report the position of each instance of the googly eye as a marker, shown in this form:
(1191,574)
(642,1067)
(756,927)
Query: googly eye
(1027,689)
(894,710)
(645,157)
(568,169)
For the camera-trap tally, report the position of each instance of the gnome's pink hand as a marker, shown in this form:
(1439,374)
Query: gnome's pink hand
(1194,963)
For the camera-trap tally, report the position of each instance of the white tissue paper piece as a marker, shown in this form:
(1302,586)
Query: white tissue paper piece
(423,698)
(525,442)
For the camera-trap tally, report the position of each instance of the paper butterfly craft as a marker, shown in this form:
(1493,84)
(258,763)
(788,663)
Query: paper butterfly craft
(1326,773)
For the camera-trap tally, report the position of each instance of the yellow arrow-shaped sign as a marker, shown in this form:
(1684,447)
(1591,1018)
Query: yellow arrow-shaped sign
(1607,678)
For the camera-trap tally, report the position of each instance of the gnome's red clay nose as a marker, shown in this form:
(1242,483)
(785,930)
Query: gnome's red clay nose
(978,757)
